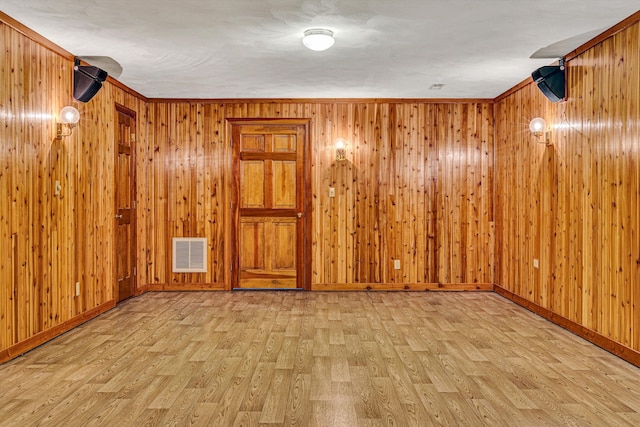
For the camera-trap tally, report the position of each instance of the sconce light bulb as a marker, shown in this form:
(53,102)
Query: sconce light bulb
(537,125)
(69,115)
(340,151)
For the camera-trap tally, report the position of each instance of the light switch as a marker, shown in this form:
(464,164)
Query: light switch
(57,188)
(536,263)
(396,264)
(332,192)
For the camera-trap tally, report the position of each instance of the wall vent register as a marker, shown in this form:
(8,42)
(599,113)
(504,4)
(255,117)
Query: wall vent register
(189,255)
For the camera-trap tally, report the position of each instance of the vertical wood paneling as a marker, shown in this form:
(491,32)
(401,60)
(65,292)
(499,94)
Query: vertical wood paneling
(49,241)
(417,186)
(574,205)
(187,163)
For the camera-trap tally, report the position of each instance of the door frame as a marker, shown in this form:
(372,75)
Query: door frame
(119,108)
(231,256)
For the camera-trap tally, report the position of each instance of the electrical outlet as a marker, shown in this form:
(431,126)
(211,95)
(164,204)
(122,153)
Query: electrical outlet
(77,289)
(536,263)
(396,264)
(332,192)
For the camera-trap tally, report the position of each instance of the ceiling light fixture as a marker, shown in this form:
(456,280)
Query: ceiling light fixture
(318,39)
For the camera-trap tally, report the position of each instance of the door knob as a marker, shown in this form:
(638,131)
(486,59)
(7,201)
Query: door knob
(299,214)
(118,216)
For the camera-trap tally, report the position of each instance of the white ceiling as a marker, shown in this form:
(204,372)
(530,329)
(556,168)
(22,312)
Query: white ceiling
(253,49)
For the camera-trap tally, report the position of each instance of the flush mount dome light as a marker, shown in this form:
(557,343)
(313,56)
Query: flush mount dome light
(318,39)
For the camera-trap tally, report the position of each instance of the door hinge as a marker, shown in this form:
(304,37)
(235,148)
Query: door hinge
(231,143)
(230,266)
(135,271)
(134,204)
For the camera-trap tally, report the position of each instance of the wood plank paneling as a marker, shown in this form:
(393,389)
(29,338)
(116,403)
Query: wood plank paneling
(575,205)
(51,241)
(416,186)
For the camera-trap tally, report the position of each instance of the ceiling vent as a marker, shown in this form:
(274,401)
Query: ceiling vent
(189,255)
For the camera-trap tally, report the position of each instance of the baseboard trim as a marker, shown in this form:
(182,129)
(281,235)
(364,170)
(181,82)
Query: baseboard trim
(51,333)
(141,290)
(159,287)
(156,287)
(402,287)
(626,353)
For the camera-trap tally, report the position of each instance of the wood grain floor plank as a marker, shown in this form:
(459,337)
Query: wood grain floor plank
(275,406)
(182,408)
(339,364)
(391,411)
(298,412)
(365,401)
(260,382)
(318,359)
(105,413)
(286,358)
(247,419)
(407,395)
(434,403)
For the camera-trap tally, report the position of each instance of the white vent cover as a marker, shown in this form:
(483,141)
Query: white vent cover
(189,255)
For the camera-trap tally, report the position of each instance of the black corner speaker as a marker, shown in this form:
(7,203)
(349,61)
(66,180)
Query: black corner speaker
(87,81)
(550,80)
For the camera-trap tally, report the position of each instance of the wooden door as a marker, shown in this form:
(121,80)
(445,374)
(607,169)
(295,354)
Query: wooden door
(269,206)
(125,196)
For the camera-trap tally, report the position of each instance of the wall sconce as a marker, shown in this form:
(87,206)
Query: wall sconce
(340,151)
(69,116)
(538,128)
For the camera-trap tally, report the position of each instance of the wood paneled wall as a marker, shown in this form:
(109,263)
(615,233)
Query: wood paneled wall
(49,242)
(575,205)
(417,186)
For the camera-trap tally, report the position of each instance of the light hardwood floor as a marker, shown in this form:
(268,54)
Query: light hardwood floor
(319,359)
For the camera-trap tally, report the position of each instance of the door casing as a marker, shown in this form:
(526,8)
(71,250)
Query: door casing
(125,215)
(231,252)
